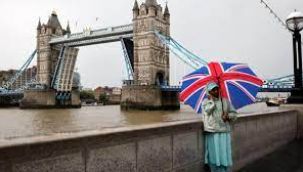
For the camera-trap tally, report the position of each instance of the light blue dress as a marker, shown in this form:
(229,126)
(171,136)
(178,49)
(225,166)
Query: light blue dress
(218,153)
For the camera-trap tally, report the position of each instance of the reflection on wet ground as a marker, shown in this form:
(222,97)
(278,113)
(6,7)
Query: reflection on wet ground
(288,158)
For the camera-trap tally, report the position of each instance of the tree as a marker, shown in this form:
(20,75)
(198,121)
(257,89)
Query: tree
(87,96)
(103,98)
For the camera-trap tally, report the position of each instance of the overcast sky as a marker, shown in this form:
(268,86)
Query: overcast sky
(224,30)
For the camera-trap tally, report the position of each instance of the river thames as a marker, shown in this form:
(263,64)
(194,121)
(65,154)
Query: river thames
(16,123)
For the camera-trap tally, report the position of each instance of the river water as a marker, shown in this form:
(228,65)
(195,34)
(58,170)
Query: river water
(17,123)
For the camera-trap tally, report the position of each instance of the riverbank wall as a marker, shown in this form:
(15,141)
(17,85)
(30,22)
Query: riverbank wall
(170,146)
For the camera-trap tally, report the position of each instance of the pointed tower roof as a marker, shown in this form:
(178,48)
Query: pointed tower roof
(136,6)
(68,28)
(151,3)
(166,11)
(39,25)
(53,21)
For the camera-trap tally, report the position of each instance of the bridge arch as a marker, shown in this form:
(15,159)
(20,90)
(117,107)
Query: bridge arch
(160,78)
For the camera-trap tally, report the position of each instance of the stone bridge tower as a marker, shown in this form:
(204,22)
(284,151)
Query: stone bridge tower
(47,59)
(151,61)
(151,58)
(47,55)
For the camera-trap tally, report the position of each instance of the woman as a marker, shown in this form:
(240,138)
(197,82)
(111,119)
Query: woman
(217,114)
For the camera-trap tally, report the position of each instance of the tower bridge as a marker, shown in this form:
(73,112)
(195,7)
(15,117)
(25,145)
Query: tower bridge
(146,44)
(147,60)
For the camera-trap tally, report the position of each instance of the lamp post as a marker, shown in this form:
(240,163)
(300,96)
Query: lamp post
(294,23)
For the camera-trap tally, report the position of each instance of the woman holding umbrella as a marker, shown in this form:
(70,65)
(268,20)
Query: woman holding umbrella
(219,87)
(217,114)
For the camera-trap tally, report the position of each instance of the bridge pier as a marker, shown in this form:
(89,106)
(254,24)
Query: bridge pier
(47,99)
(148,97)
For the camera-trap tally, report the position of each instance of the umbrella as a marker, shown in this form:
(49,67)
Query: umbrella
(237,82)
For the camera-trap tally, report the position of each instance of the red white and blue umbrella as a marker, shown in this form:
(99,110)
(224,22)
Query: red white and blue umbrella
(237,82)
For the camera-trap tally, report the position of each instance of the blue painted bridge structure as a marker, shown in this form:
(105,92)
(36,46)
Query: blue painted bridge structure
(281,84)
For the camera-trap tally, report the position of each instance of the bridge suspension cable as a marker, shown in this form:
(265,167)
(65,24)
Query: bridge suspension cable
(274,14)
(270,9)
(20,71)
(185,55)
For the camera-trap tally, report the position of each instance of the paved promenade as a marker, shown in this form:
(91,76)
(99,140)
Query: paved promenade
(289,158)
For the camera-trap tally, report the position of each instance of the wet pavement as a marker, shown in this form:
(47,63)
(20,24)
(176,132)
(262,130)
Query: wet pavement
(288,158)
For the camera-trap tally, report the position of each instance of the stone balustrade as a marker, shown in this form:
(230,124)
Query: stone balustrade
(170,146)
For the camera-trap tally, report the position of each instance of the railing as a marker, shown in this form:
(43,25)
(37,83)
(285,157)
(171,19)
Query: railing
(170,88)
(263,89)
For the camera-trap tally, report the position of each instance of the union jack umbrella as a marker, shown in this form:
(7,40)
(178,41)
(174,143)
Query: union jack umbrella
(237,82)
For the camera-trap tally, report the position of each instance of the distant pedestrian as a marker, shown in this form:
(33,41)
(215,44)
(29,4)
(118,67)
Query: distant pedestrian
(217,115)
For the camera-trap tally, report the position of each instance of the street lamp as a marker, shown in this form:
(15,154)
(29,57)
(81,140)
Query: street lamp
(294,23)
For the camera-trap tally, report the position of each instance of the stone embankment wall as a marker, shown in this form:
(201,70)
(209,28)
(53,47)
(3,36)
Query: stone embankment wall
(256,135)
(170,146)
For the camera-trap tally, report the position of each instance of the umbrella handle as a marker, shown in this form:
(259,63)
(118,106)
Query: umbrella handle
(222,104)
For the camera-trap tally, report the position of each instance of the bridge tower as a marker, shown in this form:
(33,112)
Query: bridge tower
(47,61)
(47,55)
(151,60)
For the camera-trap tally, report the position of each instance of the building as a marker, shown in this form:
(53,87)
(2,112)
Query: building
(116,91)
(5,76)
(113,94)
(102,91)
(115,97)
(26,77)
(77,81)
